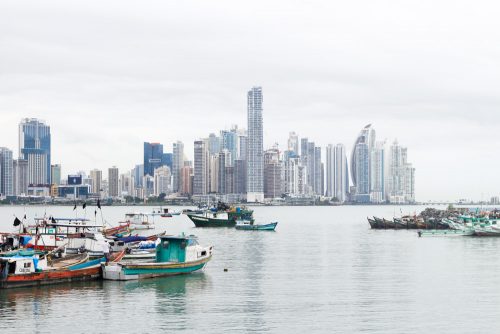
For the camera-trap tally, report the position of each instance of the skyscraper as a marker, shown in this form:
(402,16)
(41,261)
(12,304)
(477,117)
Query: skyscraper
(187,178)
(200,182)
(360,163)
(34,146)
(153,157)
(161,179)
(96,184)
(362,172)
(55,174)
(177,163)
(229,141)
(400,183)
(318,172)
(272,174)
(340,173)
(377,173)
(255,151)
(213,144)
(330,171)
(113,184)
(20,171)
(293,143)
(6,172)
(224,158)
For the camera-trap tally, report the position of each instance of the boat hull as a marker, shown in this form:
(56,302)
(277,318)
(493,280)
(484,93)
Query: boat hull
(211,222)
(51,277)
(136,271)
(248,227)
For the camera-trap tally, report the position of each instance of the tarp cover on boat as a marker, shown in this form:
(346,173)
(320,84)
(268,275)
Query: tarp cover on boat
(132,239)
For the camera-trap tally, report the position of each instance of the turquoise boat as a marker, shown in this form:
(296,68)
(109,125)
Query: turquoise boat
(175,255)
(446,233)
(250,226)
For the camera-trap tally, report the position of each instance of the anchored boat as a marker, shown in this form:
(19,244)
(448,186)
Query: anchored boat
(20,271)
(249,225)
(175,255)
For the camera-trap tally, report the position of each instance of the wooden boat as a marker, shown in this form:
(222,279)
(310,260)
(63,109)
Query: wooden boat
(139,221)
(67,261)
(373,223)
(49,234)
(249,225)
(212,219)
(121,229)
(175,255)
(445,233)
(33,271)
(487,231)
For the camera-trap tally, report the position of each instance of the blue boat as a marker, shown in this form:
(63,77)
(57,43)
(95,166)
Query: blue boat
(250,226)
(175,255)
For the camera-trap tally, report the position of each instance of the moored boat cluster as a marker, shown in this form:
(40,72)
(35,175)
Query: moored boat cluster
(450,222)
(55,250)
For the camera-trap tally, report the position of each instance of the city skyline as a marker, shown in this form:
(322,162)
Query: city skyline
(324,88)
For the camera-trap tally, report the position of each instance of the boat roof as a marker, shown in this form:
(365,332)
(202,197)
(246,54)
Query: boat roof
(76,219)
(177,237)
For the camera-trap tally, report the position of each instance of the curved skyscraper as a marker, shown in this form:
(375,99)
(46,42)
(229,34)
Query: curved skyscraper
(367,137)
(360,163)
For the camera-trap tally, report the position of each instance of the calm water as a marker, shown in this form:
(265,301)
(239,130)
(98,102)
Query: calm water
(323,270)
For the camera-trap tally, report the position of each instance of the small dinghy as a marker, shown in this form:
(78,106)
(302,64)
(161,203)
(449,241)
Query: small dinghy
(249,225)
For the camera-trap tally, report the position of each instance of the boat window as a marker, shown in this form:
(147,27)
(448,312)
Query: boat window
(27,264)
(165,244)
(183,245)
(203,253)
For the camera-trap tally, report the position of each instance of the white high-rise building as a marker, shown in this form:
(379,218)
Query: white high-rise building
(255,150)
(177,164)
(341,173)
(295,175)
(400,183)
(293,143)
(20,171)
(162,180)
(6,172)
(330,171)
(377,173)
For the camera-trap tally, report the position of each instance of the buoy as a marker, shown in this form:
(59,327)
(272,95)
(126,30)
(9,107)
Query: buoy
(225,270)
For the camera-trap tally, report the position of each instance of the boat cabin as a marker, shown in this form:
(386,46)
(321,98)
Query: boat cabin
(19,265)
(178,249)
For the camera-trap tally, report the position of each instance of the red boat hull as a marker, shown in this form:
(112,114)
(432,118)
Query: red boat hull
(51,277)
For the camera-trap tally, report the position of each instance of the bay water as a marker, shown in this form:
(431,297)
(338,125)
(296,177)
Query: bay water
(323,270)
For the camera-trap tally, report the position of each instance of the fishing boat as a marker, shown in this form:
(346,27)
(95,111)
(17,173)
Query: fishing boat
(52,233)
(445,233)
(139,221)
(120,230)
(373,223)
(487,231)
(249,225)
(212,219)
(175,255)
(35,271)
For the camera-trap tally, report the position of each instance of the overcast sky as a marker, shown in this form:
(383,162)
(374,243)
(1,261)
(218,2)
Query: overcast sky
(109,75)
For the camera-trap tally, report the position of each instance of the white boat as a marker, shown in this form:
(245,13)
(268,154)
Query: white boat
(139,220)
